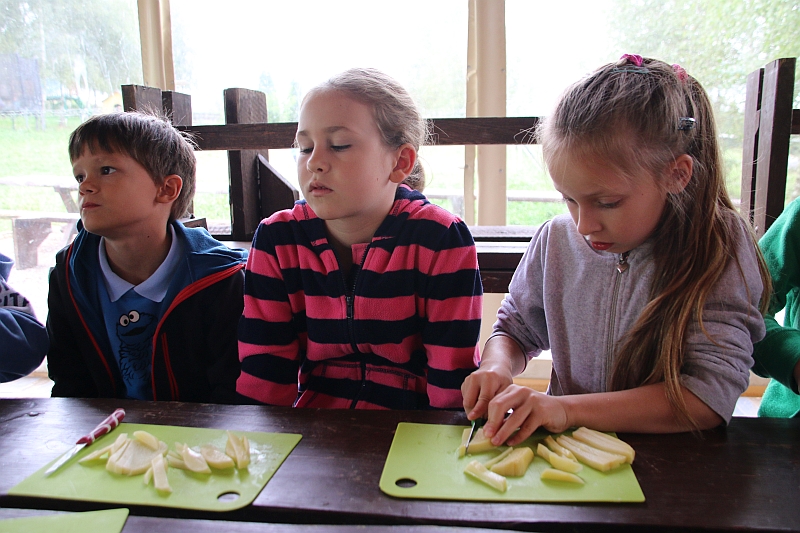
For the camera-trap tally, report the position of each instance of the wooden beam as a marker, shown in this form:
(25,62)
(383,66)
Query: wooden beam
(444,132)
(243,107)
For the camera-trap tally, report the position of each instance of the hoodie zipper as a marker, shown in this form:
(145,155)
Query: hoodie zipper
(622,267)
(350,301)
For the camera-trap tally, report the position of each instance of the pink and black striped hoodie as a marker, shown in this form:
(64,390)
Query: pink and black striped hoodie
(402,333)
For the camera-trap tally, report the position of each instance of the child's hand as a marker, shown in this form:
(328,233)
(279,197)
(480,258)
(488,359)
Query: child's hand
(530,410)
(483,385)
(501,360)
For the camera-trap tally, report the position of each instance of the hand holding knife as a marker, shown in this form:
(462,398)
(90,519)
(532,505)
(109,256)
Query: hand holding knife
(104,427)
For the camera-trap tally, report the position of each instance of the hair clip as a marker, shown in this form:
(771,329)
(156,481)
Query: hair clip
(680,72)
(638,70)
(636,59)
(686,123)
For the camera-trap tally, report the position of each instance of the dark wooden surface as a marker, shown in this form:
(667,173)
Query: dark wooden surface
(745,477)
(150,524)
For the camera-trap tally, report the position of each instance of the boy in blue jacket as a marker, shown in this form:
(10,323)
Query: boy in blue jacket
(140,306)
(23,340)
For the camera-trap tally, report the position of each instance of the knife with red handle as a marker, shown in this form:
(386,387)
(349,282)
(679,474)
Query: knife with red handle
(102,428)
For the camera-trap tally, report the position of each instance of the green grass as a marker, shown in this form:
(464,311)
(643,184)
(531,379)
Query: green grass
(27,150)
(212,206)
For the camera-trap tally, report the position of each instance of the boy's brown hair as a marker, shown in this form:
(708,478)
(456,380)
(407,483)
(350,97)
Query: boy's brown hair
(148,138)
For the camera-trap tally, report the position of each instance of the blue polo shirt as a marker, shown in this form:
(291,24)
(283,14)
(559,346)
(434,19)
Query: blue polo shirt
(131,314)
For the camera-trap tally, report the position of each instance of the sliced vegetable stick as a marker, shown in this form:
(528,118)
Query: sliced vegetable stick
(597,459)
(560,475)
(476,469)
(160,479)
(601,441)
(245,462)
(192,459)
(148,439)
(176,462)
(491,462)
(117,455)
(148,475)
(516,464)
(480,443)
(553,446)
(97,454)
(215,458)
(557,461)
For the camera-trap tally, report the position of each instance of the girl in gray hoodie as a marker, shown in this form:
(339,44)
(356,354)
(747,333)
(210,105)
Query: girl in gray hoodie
(649,294)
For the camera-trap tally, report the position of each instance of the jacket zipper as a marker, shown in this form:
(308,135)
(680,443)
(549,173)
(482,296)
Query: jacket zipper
(183,294)
(350,301)
(622,266)
(85,325)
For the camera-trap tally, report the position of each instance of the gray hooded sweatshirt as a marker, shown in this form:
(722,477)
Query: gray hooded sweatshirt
(573,300)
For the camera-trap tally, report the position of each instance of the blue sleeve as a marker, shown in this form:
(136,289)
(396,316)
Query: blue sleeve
(24,344)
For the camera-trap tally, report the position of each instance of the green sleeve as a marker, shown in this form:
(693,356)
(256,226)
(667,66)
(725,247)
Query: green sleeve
(778,353)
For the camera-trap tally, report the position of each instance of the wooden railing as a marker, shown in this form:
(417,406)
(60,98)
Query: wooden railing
(258,190)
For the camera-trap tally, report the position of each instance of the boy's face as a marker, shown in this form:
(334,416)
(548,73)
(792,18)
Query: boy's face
(117,197)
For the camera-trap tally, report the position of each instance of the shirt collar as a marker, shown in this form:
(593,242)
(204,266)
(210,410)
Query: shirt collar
(153,288)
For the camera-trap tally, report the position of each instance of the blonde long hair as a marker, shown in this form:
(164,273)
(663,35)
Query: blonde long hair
(640,114)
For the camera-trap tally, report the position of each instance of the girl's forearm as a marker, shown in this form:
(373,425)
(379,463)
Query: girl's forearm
(503,351)
(641,410)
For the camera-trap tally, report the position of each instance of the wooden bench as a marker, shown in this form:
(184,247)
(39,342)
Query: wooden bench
(30,228)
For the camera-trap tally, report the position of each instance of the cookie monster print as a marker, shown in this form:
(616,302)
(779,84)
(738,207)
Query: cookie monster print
(135,333)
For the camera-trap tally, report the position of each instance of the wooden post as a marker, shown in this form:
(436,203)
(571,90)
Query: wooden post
(244,106)
(775,126)
(491,69)
(178,107)
(752,105)
(141,98)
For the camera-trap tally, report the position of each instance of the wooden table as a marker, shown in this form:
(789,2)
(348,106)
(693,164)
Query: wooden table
(745,477)
(150,524)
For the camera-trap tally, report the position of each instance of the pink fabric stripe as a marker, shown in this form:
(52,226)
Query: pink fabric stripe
(462,308)
(297,302)
(288,351)
(417,257)
(326,307)
(262,263)
(429,212)
(321,352)
(266,391)
(445,398)
(396,353)
(446,358)
(257,308)
(394,309)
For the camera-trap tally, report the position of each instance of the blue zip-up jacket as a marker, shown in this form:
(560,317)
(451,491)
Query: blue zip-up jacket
(194,354)
(23,340)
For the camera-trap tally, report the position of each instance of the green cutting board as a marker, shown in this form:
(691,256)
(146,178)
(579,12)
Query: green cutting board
(423,463)
(108,521)
(223,490)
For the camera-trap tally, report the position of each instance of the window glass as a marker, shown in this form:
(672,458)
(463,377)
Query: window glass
(60,62)
(284,50)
